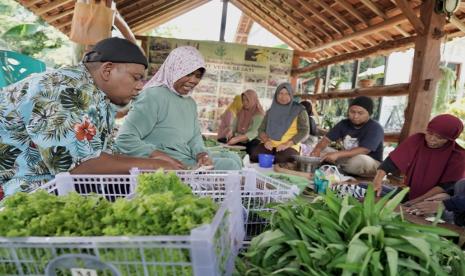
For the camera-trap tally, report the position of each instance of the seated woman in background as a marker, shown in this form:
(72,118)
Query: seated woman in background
(163,122)
(227,118)
(431,161)
(313,130)
(285,125)
(244,129)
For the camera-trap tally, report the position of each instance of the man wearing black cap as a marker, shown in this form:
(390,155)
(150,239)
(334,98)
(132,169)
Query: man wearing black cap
(362,140)
(60,120)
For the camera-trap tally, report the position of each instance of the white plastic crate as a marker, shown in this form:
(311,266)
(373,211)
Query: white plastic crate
(208,250)
(257,192)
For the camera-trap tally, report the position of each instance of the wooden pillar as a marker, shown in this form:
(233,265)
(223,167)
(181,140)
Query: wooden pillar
(425,71)
(295,65)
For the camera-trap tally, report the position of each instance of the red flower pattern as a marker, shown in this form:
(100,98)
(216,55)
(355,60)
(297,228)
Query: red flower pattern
(2,194)
(86,130)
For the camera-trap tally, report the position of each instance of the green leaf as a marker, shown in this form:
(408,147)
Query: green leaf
(392,204)
(368,205)
(423,228)
(411,264)
(370,230)
(393,260)
(357,251)
(345,209)
(332,202)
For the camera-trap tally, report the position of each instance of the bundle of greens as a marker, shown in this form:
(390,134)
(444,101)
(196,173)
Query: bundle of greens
(333,237)
(163,206)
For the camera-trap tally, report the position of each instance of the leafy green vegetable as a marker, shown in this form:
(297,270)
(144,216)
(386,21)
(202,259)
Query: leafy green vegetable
(343,237)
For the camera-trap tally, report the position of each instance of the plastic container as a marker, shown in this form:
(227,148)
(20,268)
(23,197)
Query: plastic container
(265,160)
(257,191)
(209,249)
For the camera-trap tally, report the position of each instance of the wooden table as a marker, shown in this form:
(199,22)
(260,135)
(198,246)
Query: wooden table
(421,220)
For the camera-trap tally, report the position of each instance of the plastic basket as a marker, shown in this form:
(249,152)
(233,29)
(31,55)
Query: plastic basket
(257,192)
(208,250)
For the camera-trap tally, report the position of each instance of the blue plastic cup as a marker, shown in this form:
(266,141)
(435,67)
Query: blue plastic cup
(265,160)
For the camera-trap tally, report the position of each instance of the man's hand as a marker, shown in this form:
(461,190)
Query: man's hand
(330,157)
(174,163)
(204,160)
(167,165)
(315,152)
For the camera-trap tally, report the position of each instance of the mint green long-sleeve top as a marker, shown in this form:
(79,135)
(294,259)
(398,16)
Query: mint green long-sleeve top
(161,120)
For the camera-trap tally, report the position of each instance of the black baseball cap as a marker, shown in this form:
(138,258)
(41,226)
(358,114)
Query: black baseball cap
(117,50)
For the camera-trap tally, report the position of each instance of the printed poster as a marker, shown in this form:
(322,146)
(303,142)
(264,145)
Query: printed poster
(231,69)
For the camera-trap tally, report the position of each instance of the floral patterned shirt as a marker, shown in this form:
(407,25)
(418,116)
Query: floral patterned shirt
(49,123)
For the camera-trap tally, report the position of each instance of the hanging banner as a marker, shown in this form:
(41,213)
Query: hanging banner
(231,69)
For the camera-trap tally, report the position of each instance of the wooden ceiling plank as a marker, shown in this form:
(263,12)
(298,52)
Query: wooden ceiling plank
(51,6)
(317,13)
(29,3)
(295,21)
(58,16)
(372,6)
(336,15)
(243,29)
(134,6)
(149,7)
(154,10)
(412,17)
(156,20)
(312,22)
(346,5)
(365,32)
(379,49)
(274,29)
(457,23)
(290,29)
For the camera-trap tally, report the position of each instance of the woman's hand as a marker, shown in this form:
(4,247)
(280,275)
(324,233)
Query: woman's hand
(174,163)
(284,146)
(378,182)
(204,160)
(268,145)
(233,141)
(229,135)
(427,207)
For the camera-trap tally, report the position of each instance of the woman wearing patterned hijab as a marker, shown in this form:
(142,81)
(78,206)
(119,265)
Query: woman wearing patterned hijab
(285,125)
(244,129)
(163,122)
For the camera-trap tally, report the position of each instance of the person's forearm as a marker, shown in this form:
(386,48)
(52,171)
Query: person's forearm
(113,164)
(353,152)
(324,142)
(433,191)
(241,138)
(263,137)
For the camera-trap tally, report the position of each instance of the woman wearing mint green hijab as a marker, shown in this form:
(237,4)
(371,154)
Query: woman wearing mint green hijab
(163,122)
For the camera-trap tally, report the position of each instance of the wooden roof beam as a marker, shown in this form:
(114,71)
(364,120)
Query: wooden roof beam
(29,3)
(335,14)
(318,14)
(412,17)
(372,6)
(59,15)
(310,20)
(272,17)
(154,10)
(297,23)
(136,5)
(365,32)
(243,29)
(365,22)
(457,23)
(278,30)
(168,15)
(51,6)
(382,47)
